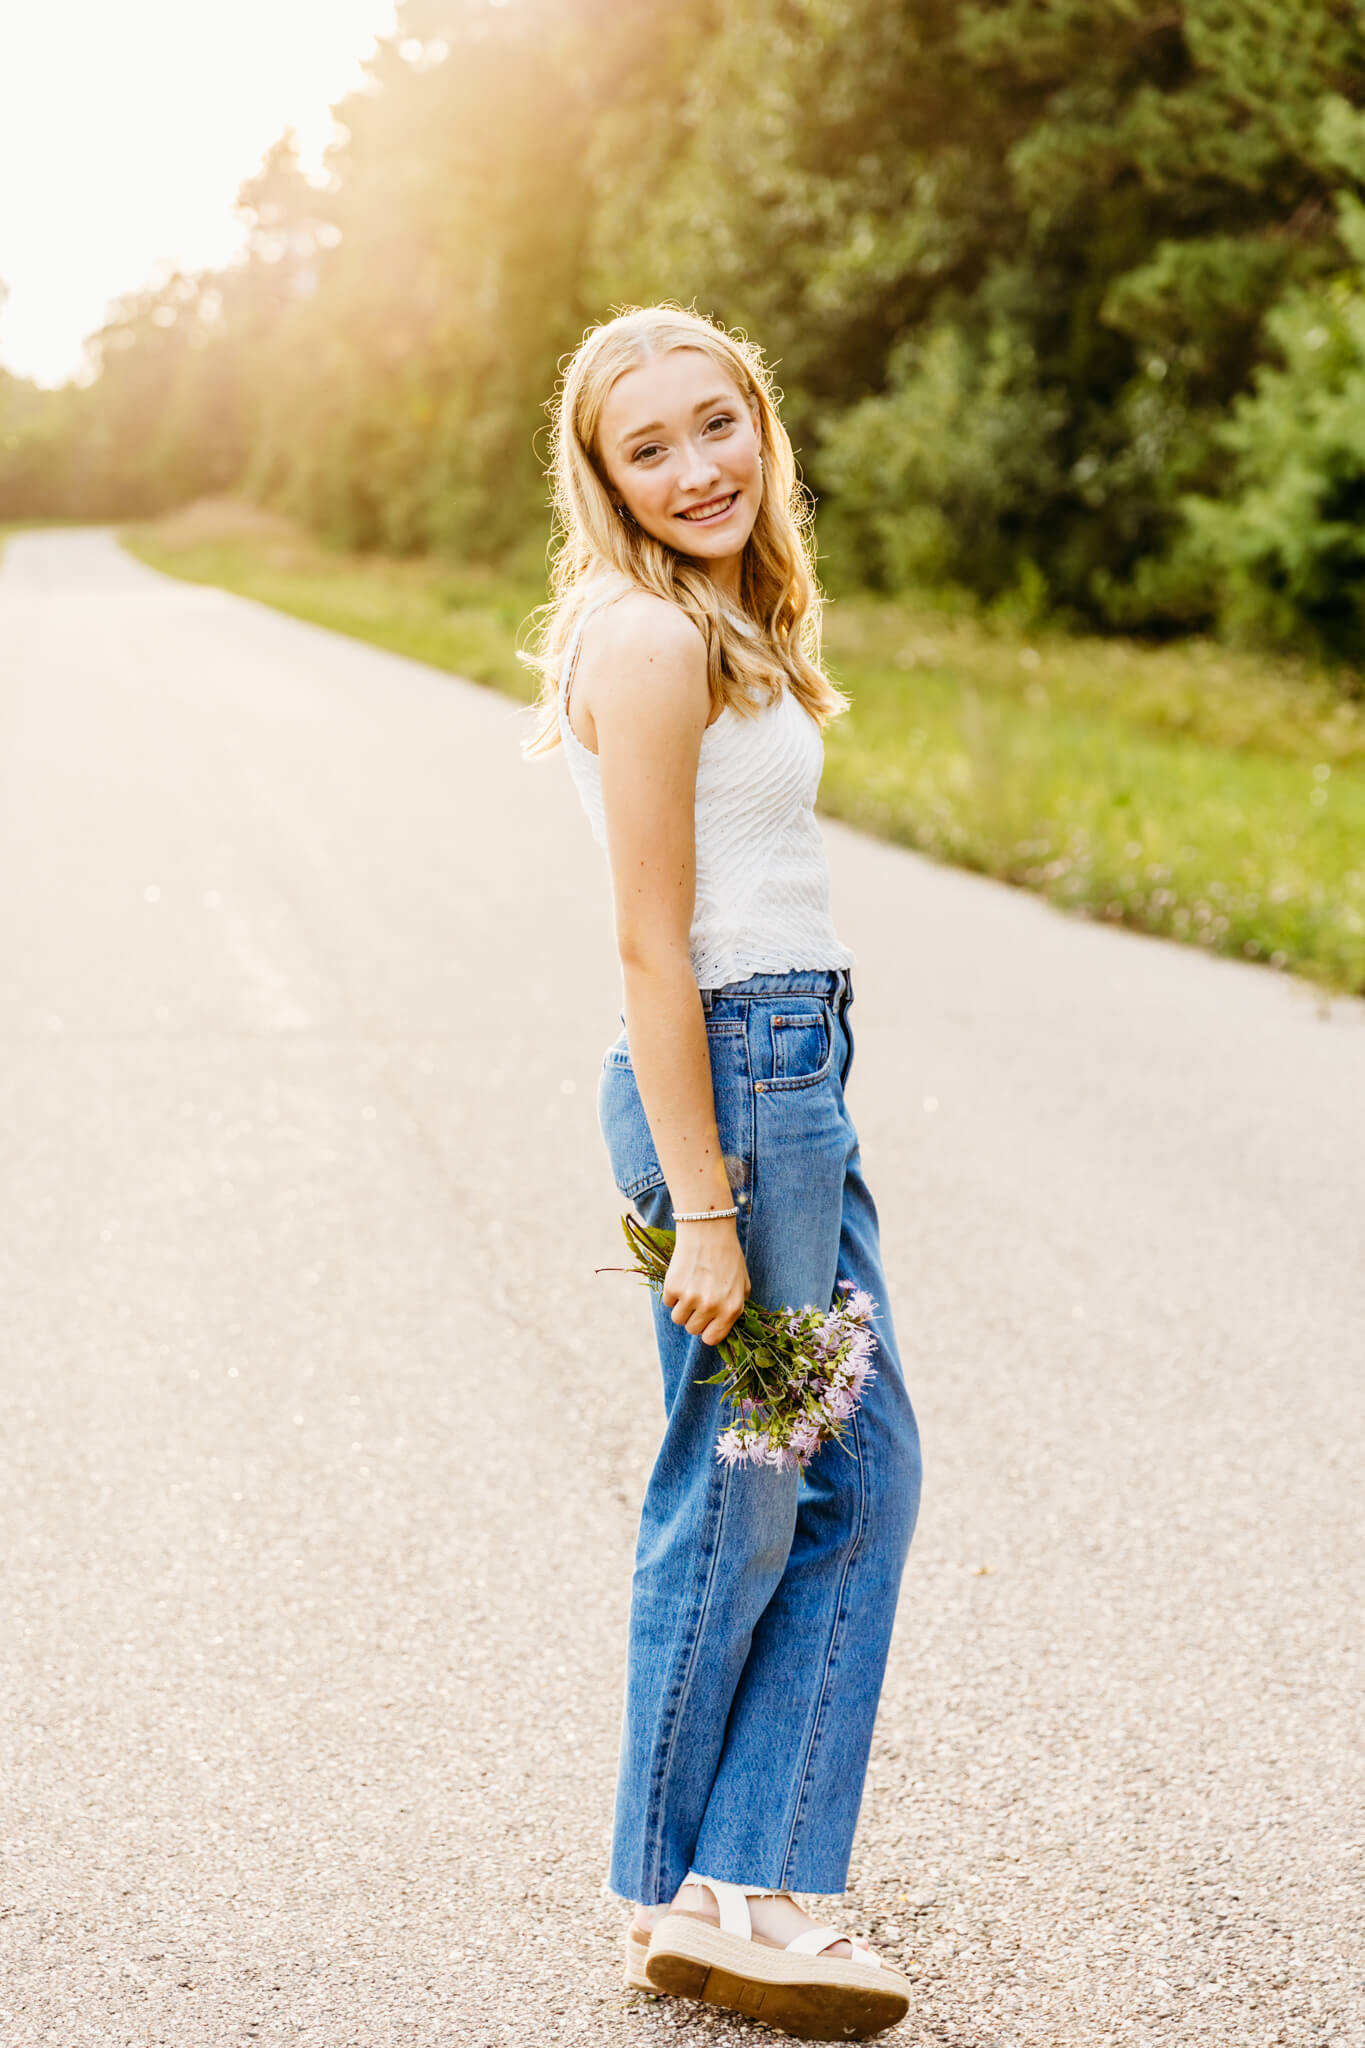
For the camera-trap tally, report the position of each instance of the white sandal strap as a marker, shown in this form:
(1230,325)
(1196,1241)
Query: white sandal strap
(816,1939)
(733,1901)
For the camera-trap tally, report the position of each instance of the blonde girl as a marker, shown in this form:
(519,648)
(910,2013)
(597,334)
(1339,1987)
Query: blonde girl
(680,673)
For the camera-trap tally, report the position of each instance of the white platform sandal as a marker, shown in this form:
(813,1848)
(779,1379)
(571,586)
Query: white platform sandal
(798,1988)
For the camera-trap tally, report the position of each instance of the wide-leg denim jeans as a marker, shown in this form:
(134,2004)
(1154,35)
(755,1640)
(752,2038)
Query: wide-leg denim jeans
(763,1601)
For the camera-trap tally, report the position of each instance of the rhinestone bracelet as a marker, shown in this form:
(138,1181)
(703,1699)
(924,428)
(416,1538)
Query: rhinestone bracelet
(701,1215)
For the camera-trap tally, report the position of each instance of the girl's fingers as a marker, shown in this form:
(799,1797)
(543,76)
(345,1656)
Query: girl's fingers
(699,1318)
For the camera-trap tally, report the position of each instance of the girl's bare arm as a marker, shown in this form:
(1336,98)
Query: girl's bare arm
(644,674)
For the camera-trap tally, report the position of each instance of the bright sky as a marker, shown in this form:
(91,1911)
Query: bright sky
(126,127)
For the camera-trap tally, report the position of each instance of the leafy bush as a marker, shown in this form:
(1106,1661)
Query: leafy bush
(1287,541)
(927,479)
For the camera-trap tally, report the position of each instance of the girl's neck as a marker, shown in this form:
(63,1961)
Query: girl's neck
(726,577)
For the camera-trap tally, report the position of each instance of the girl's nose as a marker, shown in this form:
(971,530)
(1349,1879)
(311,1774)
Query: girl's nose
(699,468)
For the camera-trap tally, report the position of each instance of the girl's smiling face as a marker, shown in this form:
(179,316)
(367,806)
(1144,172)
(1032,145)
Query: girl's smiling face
(680,446)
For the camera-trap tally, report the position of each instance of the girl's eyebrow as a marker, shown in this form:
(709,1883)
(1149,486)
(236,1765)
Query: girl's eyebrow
(657,426)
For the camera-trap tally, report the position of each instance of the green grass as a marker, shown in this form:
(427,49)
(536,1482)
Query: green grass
(1186,791)
(1211,797)
(464,620)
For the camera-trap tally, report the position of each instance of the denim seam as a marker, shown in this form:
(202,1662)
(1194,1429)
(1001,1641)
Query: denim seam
(817,1720)
(663,1769)
(750,1101)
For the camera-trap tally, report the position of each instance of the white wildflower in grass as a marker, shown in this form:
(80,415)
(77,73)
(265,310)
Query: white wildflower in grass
(792,1378)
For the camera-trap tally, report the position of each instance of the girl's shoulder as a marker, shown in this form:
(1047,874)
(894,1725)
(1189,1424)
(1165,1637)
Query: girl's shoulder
(633,634)
(624,622)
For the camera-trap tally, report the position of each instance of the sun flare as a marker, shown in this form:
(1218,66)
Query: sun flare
(125,133)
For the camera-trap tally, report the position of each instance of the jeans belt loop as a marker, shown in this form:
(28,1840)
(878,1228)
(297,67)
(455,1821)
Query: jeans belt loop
(707,997)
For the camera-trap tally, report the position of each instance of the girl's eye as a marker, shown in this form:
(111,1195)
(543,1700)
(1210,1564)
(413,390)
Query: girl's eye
(651,448)
(722,419)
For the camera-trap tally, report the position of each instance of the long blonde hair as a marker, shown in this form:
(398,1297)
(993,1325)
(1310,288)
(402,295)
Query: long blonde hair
(779,594)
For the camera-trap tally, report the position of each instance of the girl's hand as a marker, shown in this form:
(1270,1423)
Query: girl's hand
(707,1283)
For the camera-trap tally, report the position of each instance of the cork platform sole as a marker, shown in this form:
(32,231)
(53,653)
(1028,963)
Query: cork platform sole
(815,1998)
(637,1948)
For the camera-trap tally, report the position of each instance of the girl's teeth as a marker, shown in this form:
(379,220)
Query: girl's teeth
(709,511)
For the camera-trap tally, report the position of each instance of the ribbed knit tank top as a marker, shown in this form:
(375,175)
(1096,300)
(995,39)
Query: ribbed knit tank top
(762,896)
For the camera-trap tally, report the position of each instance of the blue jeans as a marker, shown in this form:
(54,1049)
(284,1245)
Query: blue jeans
(763,1601)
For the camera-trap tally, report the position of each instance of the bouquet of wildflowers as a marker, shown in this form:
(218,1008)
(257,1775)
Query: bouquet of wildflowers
(791,1377)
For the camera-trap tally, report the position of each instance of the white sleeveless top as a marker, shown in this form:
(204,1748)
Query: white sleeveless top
(762,899)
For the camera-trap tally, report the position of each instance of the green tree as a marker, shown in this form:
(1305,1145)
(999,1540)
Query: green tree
(1161,179)
(1286,541)
(1035,273)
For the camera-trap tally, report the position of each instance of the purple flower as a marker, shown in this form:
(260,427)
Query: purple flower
(739,1447)
(823,1361)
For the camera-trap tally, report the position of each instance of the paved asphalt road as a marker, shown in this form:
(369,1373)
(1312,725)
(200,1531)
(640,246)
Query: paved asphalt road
(323,1442)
